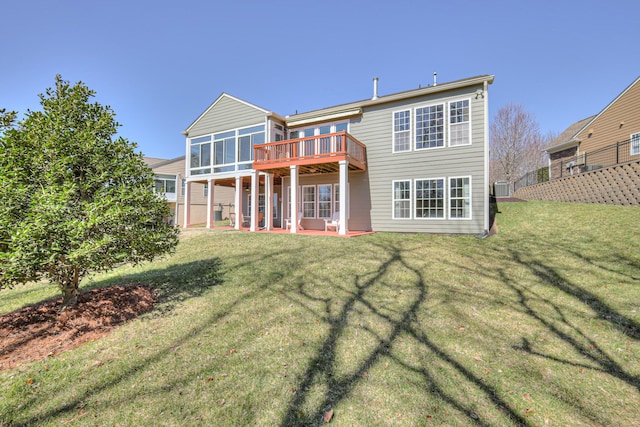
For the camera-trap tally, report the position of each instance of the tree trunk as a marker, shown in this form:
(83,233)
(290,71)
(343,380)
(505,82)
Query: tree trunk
(70,291)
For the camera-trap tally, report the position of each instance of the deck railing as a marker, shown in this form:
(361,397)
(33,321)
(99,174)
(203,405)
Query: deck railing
(324,148)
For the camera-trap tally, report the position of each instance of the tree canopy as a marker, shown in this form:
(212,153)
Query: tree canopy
(76,198)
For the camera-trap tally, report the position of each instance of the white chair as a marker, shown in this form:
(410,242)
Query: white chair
(334,222)
(287,222)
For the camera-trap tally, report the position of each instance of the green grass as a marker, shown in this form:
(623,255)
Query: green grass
(537,325)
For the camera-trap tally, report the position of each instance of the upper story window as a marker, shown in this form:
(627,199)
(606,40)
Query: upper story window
(430,126)
(635,143)
(402,131)
(434,126)
(225,151)
(459,123)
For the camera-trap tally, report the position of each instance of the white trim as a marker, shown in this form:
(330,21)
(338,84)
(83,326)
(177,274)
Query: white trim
(635,136)
(449,124)
(470,217)
(393,199)
(444,199)
(325,117)
(444,126)
(393,130)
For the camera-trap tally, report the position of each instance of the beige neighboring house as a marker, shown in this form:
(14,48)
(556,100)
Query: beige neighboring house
(170,181)
(610,137)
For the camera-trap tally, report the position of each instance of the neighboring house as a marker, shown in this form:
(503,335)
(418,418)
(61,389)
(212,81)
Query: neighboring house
(171,182)
(414,161)
(617,124)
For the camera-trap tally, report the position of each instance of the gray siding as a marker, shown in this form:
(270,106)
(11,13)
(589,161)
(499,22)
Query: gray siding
(226,114)
(374,129)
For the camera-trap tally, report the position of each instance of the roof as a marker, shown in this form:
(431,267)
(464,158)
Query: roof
(355,108)
(569,137)
(154,162)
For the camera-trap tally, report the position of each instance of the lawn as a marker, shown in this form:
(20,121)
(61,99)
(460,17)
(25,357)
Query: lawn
(538,325)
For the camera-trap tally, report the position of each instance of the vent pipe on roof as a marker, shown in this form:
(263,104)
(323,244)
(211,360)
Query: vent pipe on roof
(435,78)
(375,88)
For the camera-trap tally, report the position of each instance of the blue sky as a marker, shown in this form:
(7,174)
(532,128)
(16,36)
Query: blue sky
(159,64)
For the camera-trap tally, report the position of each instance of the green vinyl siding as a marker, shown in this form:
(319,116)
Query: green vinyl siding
(227,113)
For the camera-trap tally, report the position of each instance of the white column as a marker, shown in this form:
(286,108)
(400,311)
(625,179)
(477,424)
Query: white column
(255,186)
(344,197)
(294,199)
(238,203)
(187,204)
(210,199)
(268,201)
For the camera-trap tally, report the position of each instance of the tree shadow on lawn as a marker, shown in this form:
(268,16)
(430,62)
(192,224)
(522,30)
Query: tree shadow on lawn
(339,386)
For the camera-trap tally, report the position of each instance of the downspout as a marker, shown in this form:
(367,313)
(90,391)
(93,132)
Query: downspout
(487,213)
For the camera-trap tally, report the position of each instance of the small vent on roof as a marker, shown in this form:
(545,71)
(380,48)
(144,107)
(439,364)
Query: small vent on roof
(375,88)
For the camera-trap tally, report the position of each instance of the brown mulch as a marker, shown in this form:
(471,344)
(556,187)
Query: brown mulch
(41,330)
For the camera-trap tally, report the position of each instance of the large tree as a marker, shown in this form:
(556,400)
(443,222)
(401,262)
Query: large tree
(76,198)
(516,144)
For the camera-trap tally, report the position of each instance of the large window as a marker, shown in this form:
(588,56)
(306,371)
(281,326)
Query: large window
(460,197)
(309,201)
(200,155)
(165,183)
(401,131)
(226,151)
(635,143)
(429,196)
(430,126)
(459,133)
(402,199)
(324,201)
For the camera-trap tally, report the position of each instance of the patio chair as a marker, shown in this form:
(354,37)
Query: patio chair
(334,222)
(287,222)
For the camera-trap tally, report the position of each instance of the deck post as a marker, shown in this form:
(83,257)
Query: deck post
(344,197)
(238,203)
(187,204)
(210,184)
(255,183)
(294,199)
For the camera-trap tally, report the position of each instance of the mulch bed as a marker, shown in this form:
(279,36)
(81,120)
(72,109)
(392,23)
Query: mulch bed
(41,330)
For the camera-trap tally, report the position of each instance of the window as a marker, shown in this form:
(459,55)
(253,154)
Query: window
(459,133)
(324,201)
(460,198)
(635,144)
(309,201)
(247,139)
(430,127)
(205,190)
(200,155)
(402,199)
(401,131)
(165,183)
(336,197)
(183,186)
(429,195)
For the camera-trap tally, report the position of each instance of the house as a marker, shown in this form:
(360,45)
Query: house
(170,181)
(610,137)
(413,161)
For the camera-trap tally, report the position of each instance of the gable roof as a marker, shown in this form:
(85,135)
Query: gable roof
(568,137)
(154,162)
(222,96)
(565,141)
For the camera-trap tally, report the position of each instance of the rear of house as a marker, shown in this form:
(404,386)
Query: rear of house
(414,161)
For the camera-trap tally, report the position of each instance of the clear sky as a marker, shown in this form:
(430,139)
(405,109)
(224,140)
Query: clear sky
(159,64)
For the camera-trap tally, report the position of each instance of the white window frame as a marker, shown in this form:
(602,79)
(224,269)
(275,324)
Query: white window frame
(452,125)
(634,145)
(309,203)
(469,198)
(396,133)
(444,126)
(444,199)
(330,201)
(394,200)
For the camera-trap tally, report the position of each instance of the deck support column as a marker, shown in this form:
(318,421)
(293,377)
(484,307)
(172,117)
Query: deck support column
(238,203)
(187,204)
(294,199)
(344,197)
(255,183)
(268,201)
(210,199)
